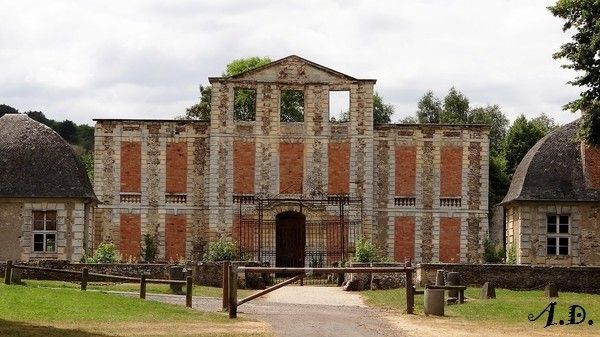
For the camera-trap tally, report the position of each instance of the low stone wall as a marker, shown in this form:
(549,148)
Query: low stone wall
(211,274)
(517,277)
(364,281)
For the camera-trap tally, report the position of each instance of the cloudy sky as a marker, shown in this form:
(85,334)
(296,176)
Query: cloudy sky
(80,60)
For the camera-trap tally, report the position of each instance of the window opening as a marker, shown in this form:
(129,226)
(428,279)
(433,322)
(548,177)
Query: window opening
(339,106)
(44,231)
(244,104)
(292,106)
(558,229)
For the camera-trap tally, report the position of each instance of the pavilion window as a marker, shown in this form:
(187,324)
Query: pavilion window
(558,229)
(44,231)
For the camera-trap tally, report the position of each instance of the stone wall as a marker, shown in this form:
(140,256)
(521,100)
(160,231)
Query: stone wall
(516,277)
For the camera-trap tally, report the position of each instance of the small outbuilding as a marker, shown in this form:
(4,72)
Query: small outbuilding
(552,208)
(46,198)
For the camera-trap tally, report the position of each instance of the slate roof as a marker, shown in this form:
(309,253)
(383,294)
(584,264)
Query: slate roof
(36,162)
(552,170)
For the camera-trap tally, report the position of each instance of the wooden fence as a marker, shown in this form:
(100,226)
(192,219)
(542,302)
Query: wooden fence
(85,275)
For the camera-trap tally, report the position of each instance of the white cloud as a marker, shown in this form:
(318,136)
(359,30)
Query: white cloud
(145,59)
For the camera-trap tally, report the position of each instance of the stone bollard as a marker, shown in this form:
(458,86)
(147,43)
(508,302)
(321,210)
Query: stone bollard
(439,277)
(176,273)
(452,279)
(488,291)
(551,290)
(16,276)
(434,302)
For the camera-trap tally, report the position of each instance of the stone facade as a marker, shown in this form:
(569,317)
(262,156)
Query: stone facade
(406,177)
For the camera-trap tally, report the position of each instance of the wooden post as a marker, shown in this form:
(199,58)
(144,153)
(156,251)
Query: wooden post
(410,295)
(188,292)
(226,272)
(84,279)
(232,292)
(8,272)
(143,287)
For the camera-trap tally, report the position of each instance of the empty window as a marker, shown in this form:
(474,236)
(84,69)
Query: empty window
(339,106)
(44,231)
(244,104)
(558,229)
(292,106)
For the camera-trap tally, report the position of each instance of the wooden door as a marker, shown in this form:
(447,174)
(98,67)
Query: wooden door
(290,239)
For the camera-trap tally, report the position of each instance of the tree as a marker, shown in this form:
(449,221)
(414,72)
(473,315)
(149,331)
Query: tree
(521,137)
(429,109)
(455,109)
(7,109)
(85,137)
(491,115)
(67,130)
(201,110)
(240,65)
(582,53)
(292,106)
(381,111)
(408,120)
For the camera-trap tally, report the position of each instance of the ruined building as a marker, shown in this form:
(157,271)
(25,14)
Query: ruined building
(292,191)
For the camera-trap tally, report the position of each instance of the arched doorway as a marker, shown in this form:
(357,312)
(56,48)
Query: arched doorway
(290,239)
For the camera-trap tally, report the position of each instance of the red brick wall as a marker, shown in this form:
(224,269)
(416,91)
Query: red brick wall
(244,154)
(339,168)
(175,227)
(131,166)
(291,167)
(450,240)
(246,237)
(334,238)
(404,238)
(451,171)
(131,236)
(176,167)
(592,165)
(406,170)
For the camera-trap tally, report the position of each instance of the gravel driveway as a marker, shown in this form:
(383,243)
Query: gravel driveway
(306,311)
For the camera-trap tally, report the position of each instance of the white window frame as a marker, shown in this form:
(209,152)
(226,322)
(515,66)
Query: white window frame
(557,235)
(44,232)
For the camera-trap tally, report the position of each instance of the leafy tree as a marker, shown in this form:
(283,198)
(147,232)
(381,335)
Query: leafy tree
(292,106)
(67,130)
(455,109)
(521,137)
(87,159)
(240,65)
(494,117)
(85,137)
(381,111)
(408,120)
(499,181)
(40,117)
(582,16)
(7,109)
(429,109)
(201,110)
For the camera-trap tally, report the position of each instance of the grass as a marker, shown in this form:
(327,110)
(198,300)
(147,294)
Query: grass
(39,311)
(508,307)
(202,291)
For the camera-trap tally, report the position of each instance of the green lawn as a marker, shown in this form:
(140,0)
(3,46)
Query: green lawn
(38,311)
(202,291)
(509,306)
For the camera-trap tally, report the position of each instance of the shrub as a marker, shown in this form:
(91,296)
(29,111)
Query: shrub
(150,249)
(365,251)
(491,253)
(221,250)
(512,254)
(105,253)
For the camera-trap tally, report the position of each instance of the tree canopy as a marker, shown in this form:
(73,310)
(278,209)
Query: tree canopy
(583,56)
(429,109)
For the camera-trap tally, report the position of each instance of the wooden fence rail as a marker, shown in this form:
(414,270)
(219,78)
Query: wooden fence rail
(85,275)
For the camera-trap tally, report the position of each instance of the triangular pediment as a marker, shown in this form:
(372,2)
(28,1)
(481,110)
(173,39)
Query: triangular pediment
(293,69)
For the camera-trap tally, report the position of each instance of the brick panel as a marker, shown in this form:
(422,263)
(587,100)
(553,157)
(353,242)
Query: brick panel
(244,154)
(406,170)
(404,238)
(131,167)
(451,171)
(450,240)
(291,168)
(339,168)
(176,167)
(245,237)
(131,236)
(592,165)
(175,230)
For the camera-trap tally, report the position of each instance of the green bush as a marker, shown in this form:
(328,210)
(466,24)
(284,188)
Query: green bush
(105,253)
(365,251)
(150,249)
(491,253)
(221,250)
(512,254)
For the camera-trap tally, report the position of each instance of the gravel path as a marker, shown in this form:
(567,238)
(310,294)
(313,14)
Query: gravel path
(305,311)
